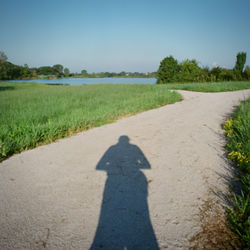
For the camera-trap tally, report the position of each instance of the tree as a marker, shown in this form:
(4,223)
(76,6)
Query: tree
(9,71)
(189,71)
(204,75)
(66,72)
(5,70)
(3,57)
(84,72)
(26,72)
(45,70)
(168,70)
(58,69)
(215,73)
(227,75)
(247,72)
(122,73)
(240,62)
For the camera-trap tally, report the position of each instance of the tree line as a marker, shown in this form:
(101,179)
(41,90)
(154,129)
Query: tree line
(9,71)
(170,70)
(84,73)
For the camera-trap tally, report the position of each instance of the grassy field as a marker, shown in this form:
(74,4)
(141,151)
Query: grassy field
(211,87)
(33,114)
(238,144)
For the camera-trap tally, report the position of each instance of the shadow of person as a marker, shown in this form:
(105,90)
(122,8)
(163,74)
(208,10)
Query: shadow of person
(124,221)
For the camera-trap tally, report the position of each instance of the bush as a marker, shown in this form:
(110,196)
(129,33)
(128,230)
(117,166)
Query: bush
(238,144)
(189,71)
(168,70)
(247,73)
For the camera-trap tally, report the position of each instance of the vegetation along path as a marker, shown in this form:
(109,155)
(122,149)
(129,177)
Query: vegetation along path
(139,183)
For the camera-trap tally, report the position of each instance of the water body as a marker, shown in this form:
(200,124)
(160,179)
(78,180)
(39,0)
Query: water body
(82,81)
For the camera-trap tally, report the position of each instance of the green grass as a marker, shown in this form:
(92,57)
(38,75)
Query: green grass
(32,114)
(238,144)
(210,87)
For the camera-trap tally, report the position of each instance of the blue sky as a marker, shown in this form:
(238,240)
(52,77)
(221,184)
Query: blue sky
(123,35)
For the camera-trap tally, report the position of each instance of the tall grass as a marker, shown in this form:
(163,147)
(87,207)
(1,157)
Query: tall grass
(211,87)
(238,144)
(31,114)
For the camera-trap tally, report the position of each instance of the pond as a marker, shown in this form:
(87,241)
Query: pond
(82,81)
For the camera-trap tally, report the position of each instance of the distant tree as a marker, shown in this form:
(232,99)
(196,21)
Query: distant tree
(84,72)
(66,72)
(168,70)
(25,71)
(240,62)
(189,71)
(58,69)
(122,73)
(45,70)
(247,72)
(204,75)
(34,72)
(10,71)
(215,73)
(5,70)
(3,57)
(225,75)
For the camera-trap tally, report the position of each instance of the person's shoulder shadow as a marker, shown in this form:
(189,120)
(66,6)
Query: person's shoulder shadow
(124,221)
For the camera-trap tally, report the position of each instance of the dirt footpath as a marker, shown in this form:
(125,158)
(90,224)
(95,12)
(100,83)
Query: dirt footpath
(135,184)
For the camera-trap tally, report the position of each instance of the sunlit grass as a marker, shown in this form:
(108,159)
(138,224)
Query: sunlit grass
(32,114)
(211,87)
(238,144)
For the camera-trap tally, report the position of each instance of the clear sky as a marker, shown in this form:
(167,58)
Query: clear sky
(123,35)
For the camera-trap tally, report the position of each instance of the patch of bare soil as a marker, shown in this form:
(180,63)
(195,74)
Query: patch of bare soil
(215,233)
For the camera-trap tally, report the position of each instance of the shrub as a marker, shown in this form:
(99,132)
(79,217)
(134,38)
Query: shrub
(237,131)
(247,73)
(189,71)
(168,70)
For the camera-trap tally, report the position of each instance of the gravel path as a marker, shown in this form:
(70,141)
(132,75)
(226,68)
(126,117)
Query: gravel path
(135,184)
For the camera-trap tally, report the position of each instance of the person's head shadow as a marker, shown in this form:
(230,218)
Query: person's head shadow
(123,156)
(124,221)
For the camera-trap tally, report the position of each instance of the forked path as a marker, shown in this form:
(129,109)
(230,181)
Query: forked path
(135,184)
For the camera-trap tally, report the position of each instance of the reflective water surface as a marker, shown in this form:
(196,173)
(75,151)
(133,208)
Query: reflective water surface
(81,81)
